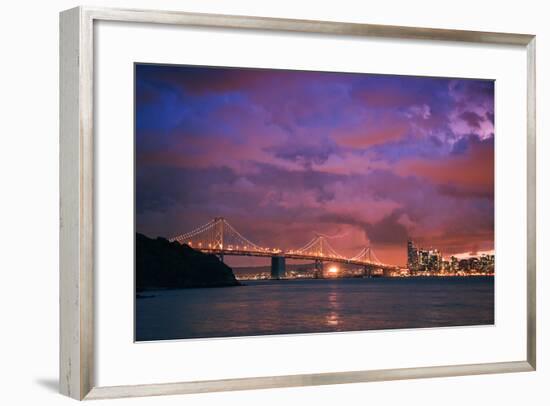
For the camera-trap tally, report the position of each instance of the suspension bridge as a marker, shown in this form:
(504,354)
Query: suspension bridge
(220,238)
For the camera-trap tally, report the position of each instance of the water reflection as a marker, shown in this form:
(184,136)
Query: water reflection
(311,306)
(333,317)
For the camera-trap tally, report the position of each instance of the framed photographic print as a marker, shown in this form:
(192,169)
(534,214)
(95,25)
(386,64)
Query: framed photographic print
(241,194)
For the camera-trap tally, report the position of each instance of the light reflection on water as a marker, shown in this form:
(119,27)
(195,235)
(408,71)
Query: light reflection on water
(310,306)
(334,305)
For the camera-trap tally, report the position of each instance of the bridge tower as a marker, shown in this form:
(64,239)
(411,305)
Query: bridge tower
(278,267)
(318,273)
(218,234)
(367,271)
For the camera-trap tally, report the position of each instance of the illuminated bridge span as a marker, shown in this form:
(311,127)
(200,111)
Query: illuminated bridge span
(221,238)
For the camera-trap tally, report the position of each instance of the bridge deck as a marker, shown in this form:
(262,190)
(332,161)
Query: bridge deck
(290,255)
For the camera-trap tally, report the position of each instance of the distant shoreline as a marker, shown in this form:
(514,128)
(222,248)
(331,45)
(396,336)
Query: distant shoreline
(240,279)
(142,294)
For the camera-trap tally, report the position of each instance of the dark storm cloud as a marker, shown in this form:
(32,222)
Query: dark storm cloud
(162,187)
(388,230)
(473,119)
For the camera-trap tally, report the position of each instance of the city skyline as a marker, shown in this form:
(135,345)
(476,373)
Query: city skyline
(366,159)
(421,260)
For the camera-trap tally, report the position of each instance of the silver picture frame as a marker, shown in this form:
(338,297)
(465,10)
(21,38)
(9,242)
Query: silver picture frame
(76,377)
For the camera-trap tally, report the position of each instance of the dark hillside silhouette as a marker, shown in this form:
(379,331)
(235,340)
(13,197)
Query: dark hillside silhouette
(161,264)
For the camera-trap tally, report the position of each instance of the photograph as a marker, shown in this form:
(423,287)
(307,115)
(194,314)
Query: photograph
(272,201)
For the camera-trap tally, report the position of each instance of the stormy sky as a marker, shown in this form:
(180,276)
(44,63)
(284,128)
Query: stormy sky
(282,155)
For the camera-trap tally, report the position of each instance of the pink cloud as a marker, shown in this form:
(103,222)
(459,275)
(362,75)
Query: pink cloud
(372,130)
(474,168)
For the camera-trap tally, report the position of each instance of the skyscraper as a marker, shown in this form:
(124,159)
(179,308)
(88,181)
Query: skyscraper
(421,260)
(412,256)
